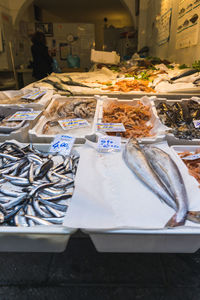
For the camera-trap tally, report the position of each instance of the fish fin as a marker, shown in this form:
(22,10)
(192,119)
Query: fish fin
(194,216)
(173,222)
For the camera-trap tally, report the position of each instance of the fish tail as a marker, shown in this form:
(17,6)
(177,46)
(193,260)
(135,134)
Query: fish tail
(173,221)
(193,216)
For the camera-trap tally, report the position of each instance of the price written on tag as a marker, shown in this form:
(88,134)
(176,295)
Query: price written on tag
(24,116)
(110,127)
(191,157)
(73,123)
(196,123)
(108,144)
(62,144)
(34,95)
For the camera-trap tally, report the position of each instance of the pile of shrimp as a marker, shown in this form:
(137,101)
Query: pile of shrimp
(193,165)
(131,85)
(134,118)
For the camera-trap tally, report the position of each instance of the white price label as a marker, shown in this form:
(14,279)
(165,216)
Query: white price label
(24,116)
(34,95)
(62,144)
(110,127)
(191,157)
(73,123)
(108,144)
(196,123)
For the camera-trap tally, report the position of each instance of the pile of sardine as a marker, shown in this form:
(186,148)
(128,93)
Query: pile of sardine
(35,187)
(180,116)
(158,171)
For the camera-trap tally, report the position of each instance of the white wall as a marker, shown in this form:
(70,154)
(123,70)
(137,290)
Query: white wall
(147,34)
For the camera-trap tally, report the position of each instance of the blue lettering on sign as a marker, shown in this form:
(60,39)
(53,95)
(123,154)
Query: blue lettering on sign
(56,145)
(64,145)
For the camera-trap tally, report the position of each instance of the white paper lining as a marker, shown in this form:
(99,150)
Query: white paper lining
(109,196)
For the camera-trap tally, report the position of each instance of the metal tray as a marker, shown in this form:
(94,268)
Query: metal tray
(37,238)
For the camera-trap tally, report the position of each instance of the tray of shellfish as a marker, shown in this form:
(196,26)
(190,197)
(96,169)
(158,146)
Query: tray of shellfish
(66,115)
(180,118)
(136,116)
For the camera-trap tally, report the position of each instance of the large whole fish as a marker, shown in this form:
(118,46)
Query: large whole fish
(137,162)
(171,178)
(158,173)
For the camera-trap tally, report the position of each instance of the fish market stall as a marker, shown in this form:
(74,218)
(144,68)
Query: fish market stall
(138,198)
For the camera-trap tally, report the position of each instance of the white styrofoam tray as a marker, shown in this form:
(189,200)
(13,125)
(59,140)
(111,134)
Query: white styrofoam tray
(171,139)
(21,134)
(37,104)
(37,238)
(36,136)
(158,130)
(121,214)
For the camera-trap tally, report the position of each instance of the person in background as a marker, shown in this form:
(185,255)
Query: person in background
(42,61)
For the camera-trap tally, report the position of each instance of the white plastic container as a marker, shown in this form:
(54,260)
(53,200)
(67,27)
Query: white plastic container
(38,104)
(22,133)
(181,240)
(105,57)
(158,130)
(37,238)
(170,137)
(36,135)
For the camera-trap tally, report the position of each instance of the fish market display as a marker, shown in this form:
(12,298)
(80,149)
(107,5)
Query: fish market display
(193,165)
(35,187)
(130,85)
(134,118)
(180,116)
(158,171)
(69,109)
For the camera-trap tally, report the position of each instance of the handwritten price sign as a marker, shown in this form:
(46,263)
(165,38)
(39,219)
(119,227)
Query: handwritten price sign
(62,144)
(110,127)
(109,144)
(73,123)
(33,96)
(196,123)
(24,116)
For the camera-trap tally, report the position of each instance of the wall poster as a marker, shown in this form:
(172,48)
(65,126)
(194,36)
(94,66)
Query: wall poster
(187,30)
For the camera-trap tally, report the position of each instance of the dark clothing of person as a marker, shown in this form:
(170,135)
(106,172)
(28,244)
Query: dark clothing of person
(42,61)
